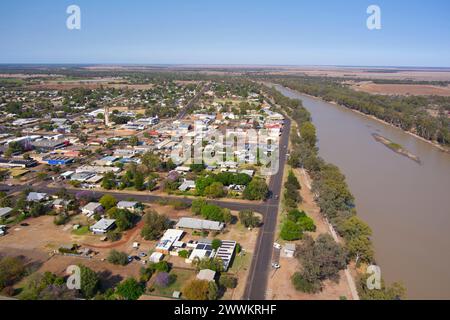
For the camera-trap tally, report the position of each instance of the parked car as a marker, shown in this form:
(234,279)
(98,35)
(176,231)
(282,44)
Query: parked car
(142,254)
(275,265)
(277,246)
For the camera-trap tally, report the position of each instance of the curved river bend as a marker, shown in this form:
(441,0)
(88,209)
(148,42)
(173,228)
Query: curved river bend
(406,204)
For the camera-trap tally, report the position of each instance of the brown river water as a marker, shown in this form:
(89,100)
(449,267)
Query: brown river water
(405,203)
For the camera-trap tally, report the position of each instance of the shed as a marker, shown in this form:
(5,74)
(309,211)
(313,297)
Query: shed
(206,274)
(289,250)
(5,212)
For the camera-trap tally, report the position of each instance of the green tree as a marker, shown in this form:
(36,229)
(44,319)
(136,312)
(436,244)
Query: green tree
(108,201)
(308,133)
(130,289)
(249,219)
(291,231)
(154,225)
(256,190)
(139,181)
(11,270)
(215,190)
(216,243)
(197,205)
(89,282)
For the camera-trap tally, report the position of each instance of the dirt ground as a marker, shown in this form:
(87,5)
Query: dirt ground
(402,89)
(280,286)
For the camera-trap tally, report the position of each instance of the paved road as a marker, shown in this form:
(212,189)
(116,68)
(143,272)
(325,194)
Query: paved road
(261,264)
(191,103)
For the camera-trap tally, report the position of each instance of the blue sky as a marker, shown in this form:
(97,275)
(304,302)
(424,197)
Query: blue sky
(281,32)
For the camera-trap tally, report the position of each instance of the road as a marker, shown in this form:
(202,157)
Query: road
(259,271)
(191,103)
(261,264)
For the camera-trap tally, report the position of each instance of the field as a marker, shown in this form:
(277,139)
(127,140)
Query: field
(402,89)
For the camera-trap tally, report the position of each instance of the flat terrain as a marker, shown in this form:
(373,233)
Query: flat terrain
(402,89)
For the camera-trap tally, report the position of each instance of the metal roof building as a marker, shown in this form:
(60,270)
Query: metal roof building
(198,224)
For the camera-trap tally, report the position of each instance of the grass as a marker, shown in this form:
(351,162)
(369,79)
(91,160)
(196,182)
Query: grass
(394,146)
(81,231)
(241,262)
(183,276)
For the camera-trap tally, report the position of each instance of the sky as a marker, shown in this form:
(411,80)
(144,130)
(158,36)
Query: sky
(242,32)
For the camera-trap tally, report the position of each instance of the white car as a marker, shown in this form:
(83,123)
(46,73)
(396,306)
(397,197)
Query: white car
(276,266)
(277,246)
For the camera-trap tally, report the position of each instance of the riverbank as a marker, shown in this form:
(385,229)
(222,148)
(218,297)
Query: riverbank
(433,143)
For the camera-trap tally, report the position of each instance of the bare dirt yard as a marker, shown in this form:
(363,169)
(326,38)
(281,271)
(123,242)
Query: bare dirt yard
(280,286)
(402,89)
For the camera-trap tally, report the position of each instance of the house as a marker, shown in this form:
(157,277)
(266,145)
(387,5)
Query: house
(203,250)
(289,250)
(198,224)
(129,205)
(168,239)
(206,274)
(92,208)
(187,185)
(106,161)
(156,257)
(60,204)
(183,169)
(36,197)
(226,252)
(5,212)
(103,226)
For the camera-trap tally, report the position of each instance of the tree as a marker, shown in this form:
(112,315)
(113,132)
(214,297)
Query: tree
(89,282)
(134,141)
(154,225)
(291,231)
(308,133)
(139,181)
(108,201)
(37,209)
(216,243)
(212,212)
(321,260)
(130,289)
(124,218)
(109,181)
(249,219)
(256,190)
(394,292)
(215,190)
(228,282)
(196,290)
(151,161)
(118,258)
(197,167)
(212,290)
(197,205)
(11,270)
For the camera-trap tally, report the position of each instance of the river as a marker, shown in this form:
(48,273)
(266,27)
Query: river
(407,205)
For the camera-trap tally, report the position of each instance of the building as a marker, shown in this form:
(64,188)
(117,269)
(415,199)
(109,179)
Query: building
(5,212)
(168,239)
(198,224)
(156,257)
(47,145)
(206,274)
(17,163)
(37,197)
(103,226)
(129,205)
(203,250)
(226,252)
(289,250)
(92,208)
(187,185)
(58,160)
(106,161)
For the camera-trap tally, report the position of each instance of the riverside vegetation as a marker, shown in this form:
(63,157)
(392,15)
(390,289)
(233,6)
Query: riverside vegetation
(337,205)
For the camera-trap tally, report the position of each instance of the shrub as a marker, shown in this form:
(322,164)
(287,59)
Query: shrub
(118,258)
(228,282)
(183,254)
(291,231)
